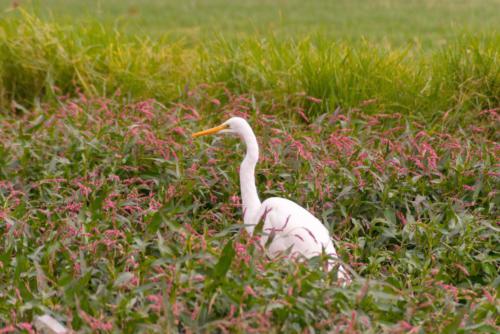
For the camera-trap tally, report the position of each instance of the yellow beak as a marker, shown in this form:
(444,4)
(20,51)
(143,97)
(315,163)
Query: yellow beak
(210,131)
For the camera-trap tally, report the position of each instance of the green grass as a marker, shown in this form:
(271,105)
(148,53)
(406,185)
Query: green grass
(460,77)
(430,22)
(113,219)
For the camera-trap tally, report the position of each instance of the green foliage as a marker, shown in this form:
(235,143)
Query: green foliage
(395,22)
(43,60)
(113,219)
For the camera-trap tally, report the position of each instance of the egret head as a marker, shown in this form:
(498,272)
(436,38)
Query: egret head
(235,125)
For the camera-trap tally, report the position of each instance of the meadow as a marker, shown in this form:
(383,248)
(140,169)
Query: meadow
(113,219)
(393,22)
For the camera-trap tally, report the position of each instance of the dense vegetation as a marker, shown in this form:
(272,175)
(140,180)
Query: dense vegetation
(113,219)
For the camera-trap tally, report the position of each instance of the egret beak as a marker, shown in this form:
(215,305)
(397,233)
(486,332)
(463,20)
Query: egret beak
(210,131)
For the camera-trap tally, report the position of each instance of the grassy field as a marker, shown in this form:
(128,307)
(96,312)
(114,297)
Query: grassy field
(427,22)
(112,219)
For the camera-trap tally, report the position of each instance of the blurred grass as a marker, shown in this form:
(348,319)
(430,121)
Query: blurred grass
(37,56)
(429,22)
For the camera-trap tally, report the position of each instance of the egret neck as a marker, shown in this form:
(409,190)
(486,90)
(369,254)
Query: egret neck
(249,197)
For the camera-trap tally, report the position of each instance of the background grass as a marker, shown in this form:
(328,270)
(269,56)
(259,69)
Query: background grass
(429,22)
(112,219)
(36,57)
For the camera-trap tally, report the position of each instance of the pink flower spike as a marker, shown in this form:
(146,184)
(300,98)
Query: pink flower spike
(313,99)
(27,327)
(401,217)
(489,297)
(8,329)
(249,291)
(406,326)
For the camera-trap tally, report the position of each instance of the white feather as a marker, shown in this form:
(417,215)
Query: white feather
(293,227)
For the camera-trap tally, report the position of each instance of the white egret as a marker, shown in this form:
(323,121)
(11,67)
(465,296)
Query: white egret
(292,227)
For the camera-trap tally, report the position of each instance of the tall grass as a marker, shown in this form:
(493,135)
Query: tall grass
(37,56)
(429,22)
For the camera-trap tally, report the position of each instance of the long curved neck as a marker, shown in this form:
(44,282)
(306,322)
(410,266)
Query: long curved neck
(249,196)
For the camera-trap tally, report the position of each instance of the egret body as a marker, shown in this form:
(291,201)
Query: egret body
(290,226)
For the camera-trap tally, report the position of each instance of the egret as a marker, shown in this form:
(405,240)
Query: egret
(290,226)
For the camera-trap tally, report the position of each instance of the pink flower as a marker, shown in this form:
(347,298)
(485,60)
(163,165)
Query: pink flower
(94,323)
(401,217)
(8,329)
(235,200)
(84,189)
(368,102)
(302,151)
(450,288)
(232,311)
(179,131)
(114,234)
(432,156)
(77,268)
(27,327)
(146,108)
(249,291)
(154,205)
(363,156)
(109,202)
(342,143)
(241,251)
(417,162)
(488,296)
(462,269)
(405,325)
(73,207)
(132,263)
(313,99)
(239,248)
(134,281)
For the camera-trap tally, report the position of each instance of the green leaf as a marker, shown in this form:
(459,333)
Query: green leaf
(155,222)
(226,258)
(452,327)
(390,215)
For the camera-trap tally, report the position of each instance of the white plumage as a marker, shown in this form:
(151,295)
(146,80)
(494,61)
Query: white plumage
(290,226)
